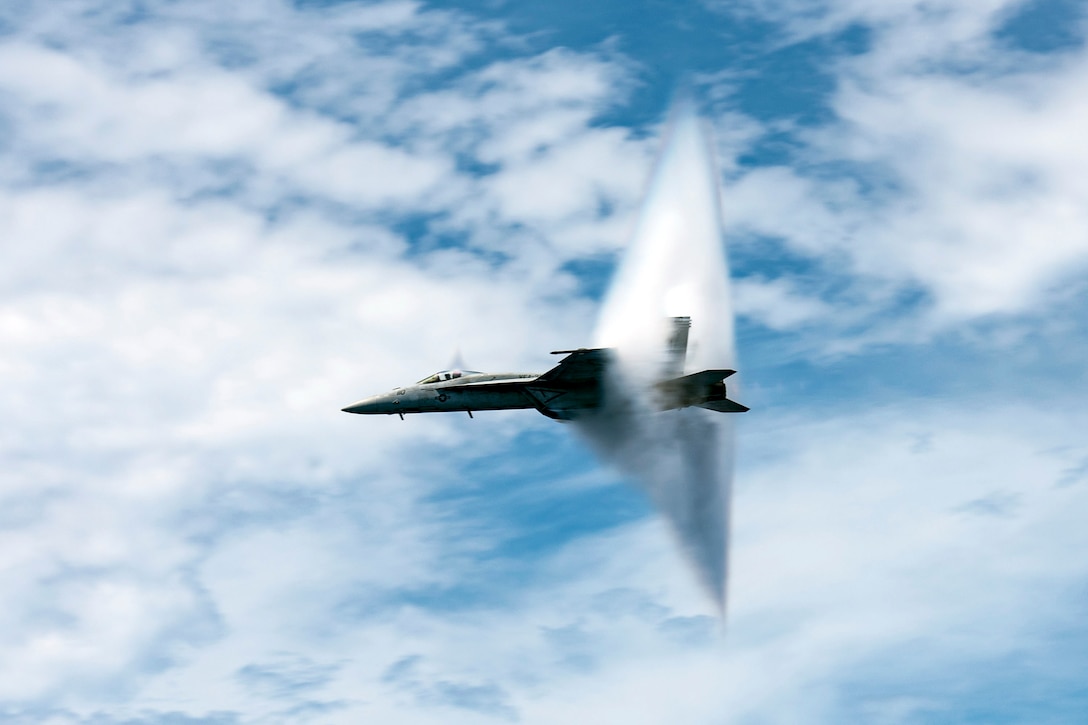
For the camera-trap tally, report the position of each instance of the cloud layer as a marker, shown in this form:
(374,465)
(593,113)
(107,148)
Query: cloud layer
(218,225)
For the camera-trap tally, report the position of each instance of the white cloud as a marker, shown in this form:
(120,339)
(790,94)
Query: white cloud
(90,115)
(572,185)
(962,178)
(928,27)
(993,215)
(180,330)
(856,538)
(776,304)
(188,524)
(203,127)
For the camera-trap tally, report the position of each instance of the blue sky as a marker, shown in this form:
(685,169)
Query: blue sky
(218,225)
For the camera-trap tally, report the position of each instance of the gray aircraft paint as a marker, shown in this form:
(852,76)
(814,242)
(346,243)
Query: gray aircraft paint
(573,389)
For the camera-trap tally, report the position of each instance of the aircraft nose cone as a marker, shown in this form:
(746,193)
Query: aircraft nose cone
(366,405)
(373,404)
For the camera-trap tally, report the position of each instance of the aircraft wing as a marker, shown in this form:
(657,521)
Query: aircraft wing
(580,367)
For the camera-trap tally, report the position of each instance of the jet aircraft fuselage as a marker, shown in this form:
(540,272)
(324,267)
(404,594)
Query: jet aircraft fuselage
(562,393)
(569,390)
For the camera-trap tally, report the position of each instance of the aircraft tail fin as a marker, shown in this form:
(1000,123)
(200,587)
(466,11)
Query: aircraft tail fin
(676,348)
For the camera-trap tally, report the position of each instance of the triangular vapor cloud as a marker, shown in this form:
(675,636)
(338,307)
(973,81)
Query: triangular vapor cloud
(675,265)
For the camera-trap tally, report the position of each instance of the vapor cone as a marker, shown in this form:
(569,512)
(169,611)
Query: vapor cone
(674,266)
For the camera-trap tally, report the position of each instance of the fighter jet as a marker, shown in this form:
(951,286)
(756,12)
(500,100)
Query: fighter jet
(571,389)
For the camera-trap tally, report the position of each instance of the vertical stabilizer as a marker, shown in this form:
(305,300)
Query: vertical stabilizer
(676,349)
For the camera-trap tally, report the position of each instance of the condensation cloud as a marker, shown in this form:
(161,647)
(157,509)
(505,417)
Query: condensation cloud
(675,265)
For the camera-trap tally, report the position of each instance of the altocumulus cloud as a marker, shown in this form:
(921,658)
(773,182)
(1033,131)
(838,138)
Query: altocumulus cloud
(219,224)
(199,258)
(949,177)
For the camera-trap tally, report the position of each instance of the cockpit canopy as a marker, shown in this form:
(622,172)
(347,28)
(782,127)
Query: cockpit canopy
(444,375)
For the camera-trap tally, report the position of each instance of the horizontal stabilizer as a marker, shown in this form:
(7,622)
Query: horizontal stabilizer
(724,406)
(705,388)
(694,384)
(703,377)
